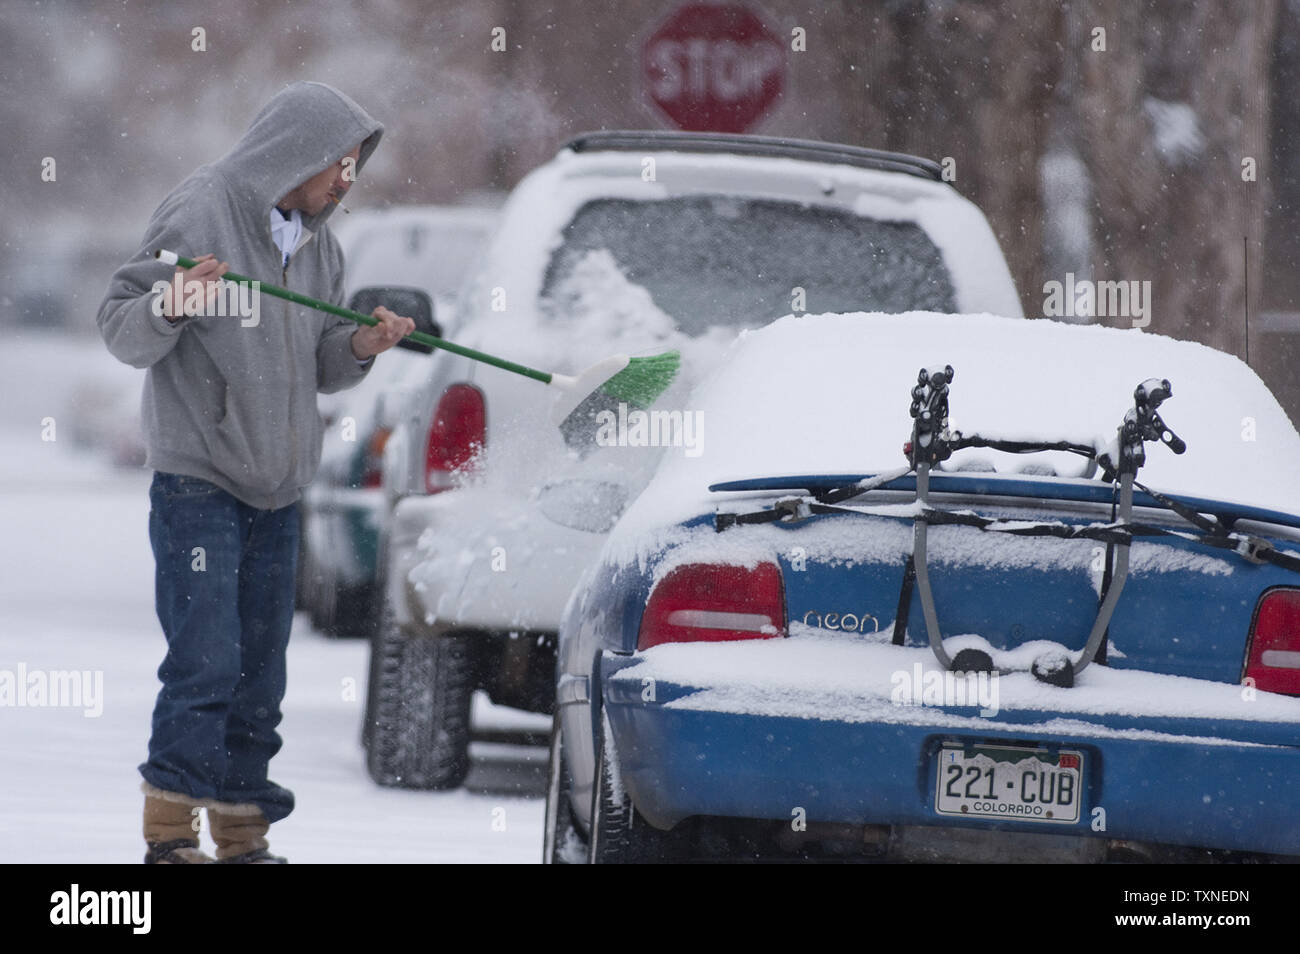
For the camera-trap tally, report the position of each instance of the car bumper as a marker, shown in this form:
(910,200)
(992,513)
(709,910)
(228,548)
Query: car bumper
(1194,783)
(471,559)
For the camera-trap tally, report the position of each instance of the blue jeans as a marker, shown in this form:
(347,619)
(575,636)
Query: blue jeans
(224,590)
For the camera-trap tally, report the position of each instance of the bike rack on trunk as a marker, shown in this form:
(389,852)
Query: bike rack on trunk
(932,442)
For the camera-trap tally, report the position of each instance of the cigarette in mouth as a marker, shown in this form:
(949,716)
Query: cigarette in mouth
(339,202)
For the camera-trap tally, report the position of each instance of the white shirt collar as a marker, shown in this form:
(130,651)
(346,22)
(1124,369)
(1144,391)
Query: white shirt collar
(286,232)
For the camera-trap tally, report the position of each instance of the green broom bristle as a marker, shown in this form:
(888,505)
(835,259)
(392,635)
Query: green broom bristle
(644,379)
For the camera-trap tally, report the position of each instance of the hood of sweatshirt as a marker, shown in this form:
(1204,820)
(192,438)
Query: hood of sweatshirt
(304,129)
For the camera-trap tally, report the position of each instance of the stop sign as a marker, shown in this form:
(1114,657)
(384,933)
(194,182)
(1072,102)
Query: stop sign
(713,67)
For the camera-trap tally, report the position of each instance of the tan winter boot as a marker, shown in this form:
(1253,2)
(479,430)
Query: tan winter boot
(171,823)
(240,833)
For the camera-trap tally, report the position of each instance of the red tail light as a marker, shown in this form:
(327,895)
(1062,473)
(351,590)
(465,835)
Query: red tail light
(372,467)
(458,434)
(1273,650)
(703,602)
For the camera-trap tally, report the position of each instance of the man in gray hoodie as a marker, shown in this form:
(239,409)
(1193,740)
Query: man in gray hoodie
(233,435)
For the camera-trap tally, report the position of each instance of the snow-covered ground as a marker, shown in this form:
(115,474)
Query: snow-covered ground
(76,593)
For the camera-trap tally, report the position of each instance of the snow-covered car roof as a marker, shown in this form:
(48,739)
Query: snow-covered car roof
(422,246)
(829,394)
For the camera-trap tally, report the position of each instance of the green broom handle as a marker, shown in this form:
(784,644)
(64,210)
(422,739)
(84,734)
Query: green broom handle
(419,336)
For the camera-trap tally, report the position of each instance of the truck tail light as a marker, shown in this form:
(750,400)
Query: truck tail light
(1273,649)
(705,602)
(457,436)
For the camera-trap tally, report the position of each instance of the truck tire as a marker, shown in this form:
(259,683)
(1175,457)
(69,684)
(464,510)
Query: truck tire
(353,612)
(318,594)
(418,707)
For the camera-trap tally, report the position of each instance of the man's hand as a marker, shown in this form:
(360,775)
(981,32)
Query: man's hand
(208,271)
(370,340)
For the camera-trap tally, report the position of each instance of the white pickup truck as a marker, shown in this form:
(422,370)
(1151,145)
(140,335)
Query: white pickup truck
(632,242)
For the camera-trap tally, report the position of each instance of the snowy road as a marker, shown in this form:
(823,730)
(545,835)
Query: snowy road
(76,594)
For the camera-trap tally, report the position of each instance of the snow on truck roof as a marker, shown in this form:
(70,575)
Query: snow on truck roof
(830,394)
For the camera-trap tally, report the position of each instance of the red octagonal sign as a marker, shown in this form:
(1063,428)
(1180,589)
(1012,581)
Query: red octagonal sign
(714,67)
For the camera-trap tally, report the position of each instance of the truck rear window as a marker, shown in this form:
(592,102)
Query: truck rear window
(728,260)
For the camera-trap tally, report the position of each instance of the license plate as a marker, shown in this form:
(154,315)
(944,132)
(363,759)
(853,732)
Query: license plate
(1011,782)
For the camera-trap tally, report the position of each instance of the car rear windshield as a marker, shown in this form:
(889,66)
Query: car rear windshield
(727,260)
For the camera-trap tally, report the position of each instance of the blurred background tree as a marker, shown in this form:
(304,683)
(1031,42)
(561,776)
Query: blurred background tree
(1122,162)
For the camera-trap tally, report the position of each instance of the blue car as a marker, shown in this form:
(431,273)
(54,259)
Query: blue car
(944,588)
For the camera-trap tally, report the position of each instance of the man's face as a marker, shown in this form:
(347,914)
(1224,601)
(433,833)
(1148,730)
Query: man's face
(315,194)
